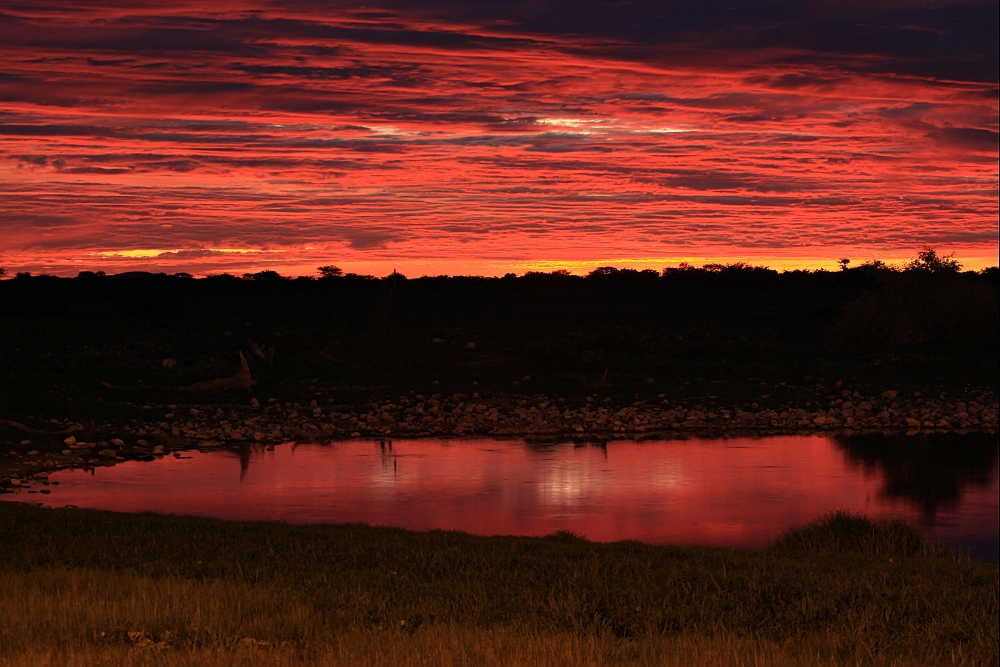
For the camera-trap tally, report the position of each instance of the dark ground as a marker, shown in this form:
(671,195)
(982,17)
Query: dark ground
(730,334)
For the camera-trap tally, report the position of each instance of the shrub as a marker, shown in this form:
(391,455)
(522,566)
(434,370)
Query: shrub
(844,532)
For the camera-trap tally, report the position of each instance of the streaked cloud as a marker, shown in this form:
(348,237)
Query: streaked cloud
(453,138)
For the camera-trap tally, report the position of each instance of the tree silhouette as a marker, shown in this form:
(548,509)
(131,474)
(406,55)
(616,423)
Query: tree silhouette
(329,271)
(928,260)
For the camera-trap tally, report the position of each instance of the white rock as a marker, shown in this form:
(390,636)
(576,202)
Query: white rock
(169,363)
(470,346)
(117,442)
(71,440)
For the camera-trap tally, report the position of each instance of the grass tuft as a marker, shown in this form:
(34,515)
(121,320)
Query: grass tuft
(846,532)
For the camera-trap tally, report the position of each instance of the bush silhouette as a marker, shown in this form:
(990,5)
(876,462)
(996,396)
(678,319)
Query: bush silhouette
(928,306)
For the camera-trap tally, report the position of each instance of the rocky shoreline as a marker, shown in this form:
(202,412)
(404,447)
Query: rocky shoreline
(536,418)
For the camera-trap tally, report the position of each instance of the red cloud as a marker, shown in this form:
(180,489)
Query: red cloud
(401,140)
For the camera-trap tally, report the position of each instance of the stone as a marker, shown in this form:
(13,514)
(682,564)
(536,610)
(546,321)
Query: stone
(170,363)
(142,443)
(158,449)
(437,341)
(194,412)
(109,453)
(33,453)
(470,346)
(254,403)
(70,441)
(26,442)
(117,442)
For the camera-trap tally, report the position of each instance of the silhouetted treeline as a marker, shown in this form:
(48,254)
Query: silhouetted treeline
(927,305)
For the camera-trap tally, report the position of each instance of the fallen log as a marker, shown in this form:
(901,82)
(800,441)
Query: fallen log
(108,385)
(239,382)
(27,429)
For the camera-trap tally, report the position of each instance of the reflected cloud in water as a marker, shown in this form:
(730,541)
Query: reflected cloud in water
(741,492)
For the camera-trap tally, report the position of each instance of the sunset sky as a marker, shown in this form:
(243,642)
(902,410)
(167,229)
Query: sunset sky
(488,137)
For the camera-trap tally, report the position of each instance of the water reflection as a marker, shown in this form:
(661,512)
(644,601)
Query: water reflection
(739,492)
(931,471)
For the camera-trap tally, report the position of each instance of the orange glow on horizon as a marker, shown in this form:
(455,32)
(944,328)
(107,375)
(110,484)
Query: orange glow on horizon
(252,261)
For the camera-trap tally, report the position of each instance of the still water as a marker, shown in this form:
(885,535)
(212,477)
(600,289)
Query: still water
(737,492)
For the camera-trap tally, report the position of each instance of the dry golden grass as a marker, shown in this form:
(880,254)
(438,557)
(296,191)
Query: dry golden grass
(70,618)
(82,587)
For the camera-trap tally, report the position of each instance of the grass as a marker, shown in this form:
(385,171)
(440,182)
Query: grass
(82,587)
(843,532)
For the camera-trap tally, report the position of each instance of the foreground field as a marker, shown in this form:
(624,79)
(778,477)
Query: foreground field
(446,646)
(83,587)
